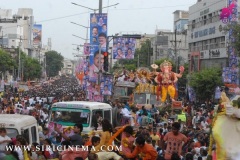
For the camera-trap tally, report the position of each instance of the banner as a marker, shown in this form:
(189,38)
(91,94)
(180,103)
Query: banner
(98,42)
(123,48)
(86,49)
(37,34)
(106,85)
(230,75)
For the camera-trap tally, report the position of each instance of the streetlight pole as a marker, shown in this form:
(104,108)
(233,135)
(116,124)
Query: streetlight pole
(84,27)
(100,6)
(79,37)
(19,55)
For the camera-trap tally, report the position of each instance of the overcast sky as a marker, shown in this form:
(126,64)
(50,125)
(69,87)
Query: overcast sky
(138,16)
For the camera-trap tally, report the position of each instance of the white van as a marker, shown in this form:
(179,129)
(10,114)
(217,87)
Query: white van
(17,124)
(67,114)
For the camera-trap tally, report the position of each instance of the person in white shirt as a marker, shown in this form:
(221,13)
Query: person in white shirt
(127,114)
(4,140)
(204,124)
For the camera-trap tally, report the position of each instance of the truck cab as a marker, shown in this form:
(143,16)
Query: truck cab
(24,125)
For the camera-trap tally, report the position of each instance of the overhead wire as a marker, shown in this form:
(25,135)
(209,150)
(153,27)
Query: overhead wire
(57,18)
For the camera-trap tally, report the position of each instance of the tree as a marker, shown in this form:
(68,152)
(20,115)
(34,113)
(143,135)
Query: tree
(54,63)
(32,68)
(7,63)
(205,82)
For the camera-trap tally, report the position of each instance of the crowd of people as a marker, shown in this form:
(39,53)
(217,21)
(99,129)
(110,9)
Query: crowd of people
(157,135)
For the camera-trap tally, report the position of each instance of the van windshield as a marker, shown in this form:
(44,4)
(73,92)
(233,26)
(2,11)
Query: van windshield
(11,132)
(69,116)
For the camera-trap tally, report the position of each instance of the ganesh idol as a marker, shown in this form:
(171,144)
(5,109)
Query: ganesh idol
(166,80)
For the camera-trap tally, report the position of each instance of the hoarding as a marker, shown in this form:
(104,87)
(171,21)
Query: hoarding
(37,34)
(98,42)
(123,48)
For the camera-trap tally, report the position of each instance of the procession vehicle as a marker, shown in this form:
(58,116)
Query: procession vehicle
(66,114)
(17,124)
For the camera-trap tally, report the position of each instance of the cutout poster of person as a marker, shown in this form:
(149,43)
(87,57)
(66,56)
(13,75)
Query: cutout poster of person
(124,48)
(98,42)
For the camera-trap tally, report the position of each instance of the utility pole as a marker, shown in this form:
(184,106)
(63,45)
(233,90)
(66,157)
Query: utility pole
(100,52)
(100,6)
(19,55)
(175,48)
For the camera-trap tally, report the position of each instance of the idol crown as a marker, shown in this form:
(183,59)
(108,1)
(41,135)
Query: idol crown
(166,63)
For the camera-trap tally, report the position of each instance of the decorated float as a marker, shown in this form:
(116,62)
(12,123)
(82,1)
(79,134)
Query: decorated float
(150,87)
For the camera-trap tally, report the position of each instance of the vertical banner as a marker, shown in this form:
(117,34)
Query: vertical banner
(37,34)
(230,73)
(106,85)
(123,48)
(86,49)
(98,42)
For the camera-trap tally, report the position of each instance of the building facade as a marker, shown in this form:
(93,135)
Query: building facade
(68,67)
(16,30)
(206,35)
(163,45)
(180,20)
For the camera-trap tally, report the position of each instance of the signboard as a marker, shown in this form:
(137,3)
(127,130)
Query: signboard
(125,84)
(123,48)
(140,98)
(177,105)
(37,34)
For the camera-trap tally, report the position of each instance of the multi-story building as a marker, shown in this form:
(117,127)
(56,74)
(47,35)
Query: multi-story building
(16,30)
(68,67)
(163,45)
(180,20)
(206,36)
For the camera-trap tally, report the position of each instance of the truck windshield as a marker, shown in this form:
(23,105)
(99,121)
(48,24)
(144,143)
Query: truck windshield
(11,132)
(68,116)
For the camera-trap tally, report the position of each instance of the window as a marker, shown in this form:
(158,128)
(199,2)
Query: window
(205,20)
(71,116)
(97,116)
(12,133)
(107,115)
(34,134)
(25,134)
(193,24)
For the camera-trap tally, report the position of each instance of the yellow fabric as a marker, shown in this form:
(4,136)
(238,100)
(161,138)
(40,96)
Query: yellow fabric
(25,154)
(105,137)
(170,89)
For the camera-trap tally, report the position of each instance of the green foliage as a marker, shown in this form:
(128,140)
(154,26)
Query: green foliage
(205,82)
(32,68)
(54,63)
(7,63)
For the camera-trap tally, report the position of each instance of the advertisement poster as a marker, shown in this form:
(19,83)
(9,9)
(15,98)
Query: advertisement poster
(98,42)
(123,48)
(106,85)
(86,49)
(230,75)
(37,34)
